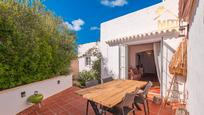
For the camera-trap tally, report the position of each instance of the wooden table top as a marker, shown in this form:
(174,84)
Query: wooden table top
(111,93)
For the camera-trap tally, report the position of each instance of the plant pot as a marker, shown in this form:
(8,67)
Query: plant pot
(35,99)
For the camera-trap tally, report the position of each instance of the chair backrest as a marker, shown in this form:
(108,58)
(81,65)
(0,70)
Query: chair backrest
(129,99)
(91,83)
(147,87)
(107,79)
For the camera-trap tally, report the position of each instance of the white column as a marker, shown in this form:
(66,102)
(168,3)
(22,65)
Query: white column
(123,49)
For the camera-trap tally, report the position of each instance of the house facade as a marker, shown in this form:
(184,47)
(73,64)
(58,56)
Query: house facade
(85,60)
(153,31)
(195,68)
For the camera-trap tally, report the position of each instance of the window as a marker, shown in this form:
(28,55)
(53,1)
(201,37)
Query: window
(88,61)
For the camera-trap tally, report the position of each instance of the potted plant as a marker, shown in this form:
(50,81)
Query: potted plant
(36,98)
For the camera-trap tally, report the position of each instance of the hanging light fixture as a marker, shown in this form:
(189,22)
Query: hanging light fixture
(149,52)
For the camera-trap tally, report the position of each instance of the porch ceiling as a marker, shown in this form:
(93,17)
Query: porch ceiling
(153,36)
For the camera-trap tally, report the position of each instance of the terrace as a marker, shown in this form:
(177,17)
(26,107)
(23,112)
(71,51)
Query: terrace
(68,102)
(44,71)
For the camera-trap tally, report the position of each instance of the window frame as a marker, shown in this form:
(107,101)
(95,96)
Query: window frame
(87,61)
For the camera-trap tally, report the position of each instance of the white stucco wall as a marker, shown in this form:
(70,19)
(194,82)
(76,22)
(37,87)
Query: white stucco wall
(170,45)
(110,61)
(195,76)
(12,103)
(82,49)
(141,21)
(130,24)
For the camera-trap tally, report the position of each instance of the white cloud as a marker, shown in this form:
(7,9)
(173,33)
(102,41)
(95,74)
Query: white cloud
(75,25)
(113,3)
(94,28)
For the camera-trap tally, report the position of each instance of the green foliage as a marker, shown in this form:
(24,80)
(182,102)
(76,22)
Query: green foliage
(94,73)
(97,67)
(86,76)
(34,44)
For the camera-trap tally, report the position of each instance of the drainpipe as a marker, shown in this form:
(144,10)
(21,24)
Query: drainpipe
(161,46)
(126,61)
(119,52)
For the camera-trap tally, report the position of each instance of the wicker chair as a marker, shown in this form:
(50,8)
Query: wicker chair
(141,98)
(124,108)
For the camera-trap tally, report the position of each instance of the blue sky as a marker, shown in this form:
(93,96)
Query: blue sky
(85,16)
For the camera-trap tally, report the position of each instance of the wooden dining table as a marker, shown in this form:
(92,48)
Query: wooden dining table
(109,94)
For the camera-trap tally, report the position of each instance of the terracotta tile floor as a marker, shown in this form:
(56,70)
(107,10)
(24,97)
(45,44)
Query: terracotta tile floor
(68,103)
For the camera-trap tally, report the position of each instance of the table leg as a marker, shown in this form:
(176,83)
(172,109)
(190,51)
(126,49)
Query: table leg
(95,108)
(87,107)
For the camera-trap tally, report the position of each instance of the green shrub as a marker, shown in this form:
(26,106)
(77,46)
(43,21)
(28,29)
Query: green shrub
(86,76)
(34,44)
(97,67)
(95,72)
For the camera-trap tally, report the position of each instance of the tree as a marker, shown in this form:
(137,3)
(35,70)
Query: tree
(34,44)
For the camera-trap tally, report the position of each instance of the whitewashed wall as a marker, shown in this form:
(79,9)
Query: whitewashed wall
(195,77)
(12,103)
(110,61)
(141,21)
(169,47)
(126,25)
(82,49)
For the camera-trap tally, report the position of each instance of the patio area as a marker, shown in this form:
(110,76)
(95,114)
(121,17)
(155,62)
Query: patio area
(68,102)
